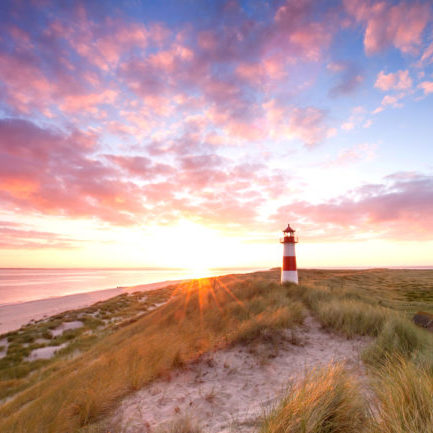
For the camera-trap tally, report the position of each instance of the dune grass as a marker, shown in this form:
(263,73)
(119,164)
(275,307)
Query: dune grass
(399,337)
(349,313)
(326,401)
(202,315)
(99,320)
(331,401)
(352,317)
(404,392)
(73,395)
(400,358)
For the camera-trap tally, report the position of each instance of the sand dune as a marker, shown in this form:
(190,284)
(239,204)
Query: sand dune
(230,389)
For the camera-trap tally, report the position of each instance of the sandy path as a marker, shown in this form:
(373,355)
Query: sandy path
(228,390)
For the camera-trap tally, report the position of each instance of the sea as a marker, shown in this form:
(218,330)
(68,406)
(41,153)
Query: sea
(19,285)
(23,285)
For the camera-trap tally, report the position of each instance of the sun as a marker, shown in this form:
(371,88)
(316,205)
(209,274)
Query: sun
(198,272)
(191,246)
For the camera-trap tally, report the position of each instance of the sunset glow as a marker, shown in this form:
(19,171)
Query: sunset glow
(188,134)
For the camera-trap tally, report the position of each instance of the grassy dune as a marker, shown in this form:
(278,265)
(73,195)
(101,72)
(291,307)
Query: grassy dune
(74,391)
(98,320)
(201,316)
(378,303)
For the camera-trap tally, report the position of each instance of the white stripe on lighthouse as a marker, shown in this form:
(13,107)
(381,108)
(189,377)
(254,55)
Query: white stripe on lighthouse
(289,249)
(289,277)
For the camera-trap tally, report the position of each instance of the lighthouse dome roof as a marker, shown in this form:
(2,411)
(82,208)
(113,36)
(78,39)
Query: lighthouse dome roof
(288,229)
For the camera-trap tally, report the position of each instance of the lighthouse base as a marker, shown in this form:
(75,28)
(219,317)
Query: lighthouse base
(289,277)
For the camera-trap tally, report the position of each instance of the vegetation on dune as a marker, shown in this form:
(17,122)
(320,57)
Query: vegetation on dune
(98,320)
(400,360)
(399,338)
(404,391)
(326,401)
(72,394)
(201,316)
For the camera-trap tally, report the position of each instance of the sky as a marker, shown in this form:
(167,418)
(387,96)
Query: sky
(189,133)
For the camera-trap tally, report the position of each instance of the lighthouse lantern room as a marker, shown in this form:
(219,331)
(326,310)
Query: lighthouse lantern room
(289,273)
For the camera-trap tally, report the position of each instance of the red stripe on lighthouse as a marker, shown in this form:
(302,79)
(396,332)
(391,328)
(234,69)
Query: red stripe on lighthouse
(289,263)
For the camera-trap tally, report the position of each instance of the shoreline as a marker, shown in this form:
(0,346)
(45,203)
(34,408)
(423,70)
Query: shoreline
(13,316)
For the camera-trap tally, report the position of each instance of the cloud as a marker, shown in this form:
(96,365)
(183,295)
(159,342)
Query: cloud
(52,172)
(102,43)
(393,81)
(401,208)
(298,33)
(88,102)
(306,124)
(427,86)
(350,78)
(165,103)
(427,55)
(225,64)
(16,236)
(390,101)
(357,117)
(140,166)
(80,68)
(354,154)
(48,171)
(400,25)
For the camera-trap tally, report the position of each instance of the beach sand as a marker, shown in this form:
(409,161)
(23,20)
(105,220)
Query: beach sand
(14,316)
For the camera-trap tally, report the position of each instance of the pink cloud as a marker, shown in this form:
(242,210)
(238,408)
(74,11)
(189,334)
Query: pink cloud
(356,153)
(401,208)
(390,101)
(140,166)
(298,33)
(427,55)
(307,124)
(16,236)
(45,171)
(54,173)
(350,77)
(25,84)
(396,81)
(88,102)
(102,44)
(400,25)
(427,86)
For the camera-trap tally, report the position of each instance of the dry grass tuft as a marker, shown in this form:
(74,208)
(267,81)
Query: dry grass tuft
(352,317)
(404,392)
(326,401)
(399,337)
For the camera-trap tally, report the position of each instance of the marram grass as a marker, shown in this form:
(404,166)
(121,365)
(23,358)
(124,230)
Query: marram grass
(74,395)
(404,392)
(326,401)
(202,316)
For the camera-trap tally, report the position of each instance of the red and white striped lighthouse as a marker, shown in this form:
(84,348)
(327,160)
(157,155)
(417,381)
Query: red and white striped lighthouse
(289,273)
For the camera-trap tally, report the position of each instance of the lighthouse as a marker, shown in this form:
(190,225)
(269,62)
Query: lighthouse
(289,273)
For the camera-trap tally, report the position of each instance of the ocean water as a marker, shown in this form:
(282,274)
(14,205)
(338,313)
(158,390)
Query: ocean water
(22,285)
